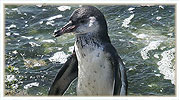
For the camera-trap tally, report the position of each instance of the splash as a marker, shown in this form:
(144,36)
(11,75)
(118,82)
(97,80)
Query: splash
(127,21)
(152,46)
(10,78)
(59,57)
(166,66)
(31,85)
(64,8)
(49,41)
(54,17)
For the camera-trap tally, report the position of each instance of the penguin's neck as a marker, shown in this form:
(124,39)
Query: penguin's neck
(87,44)
(86,41)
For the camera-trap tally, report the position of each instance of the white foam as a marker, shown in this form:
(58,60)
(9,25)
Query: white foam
(158,18)
(11,26)
(37,64)
(156,56)
(10,78)
(33,44)
(22,17)
(63,8)
(151,46)
(59,57)
(55,17)
(33,17)
(8,33)
(166,66)
(141,36)
(131,8)
(26,37)
(158,75)
(40,22)
(50,23)
(127,21)
(49,41)
(14,86)
(39,5)
(170,34)
(160,6)
(25,14)
(31,85)
(162,48)
(44,9)
(26,25)
(16,9)
(15,52)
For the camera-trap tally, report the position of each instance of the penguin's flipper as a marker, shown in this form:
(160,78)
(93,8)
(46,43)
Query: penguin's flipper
(124,82)
(120,84)
(66,75)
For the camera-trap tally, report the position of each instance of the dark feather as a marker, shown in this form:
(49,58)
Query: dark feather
(121,84)
(66,75)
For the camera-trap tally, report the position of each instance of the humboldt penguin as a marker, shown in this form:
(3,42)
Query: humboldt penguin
(94,62)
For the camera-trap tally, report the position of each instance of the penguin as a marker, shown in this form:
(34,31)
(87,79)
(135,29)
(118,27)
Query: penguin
(94,61)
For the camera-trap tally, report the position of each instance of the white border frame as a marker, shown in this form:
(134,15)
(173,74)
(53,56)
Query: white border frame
(105,2)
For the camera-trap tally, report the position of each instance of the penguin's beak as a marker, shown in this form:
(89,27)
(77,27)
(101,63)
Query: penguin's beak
(69,27)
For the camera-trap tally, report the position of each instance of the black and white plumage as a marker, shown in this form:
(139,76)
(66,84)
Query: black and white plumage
(95,61)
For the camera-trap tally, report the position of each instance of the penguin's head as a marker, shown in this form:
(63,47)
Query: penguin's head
(86,19)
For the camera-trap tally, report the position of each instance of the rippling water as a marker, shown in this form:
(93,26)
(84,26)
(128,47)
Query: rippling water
(143,35)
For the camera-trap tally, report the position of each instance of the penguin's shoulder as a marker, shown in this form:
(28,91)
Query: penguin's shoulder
(111,53)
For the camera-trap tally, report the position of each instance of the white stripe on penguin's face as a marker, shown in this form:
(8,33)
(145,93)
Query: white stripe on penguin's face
(92,21)
(89,26)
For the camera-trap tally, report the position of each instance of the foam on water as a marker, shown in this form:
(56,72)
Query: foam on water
(151,46)
(31,85)
(11,26)
(160,6)
(141,36)
(39,5)
(8,33)
(127,21)
(50,23)
(15,52)
(55,17)
(10,78)
(40,22)
(156,55)
(166,66)
(49,41)
(59,57)
(64,8)
(27,37)
(17,10)
(131,9)
(159,17)
(44,10)
(33,44)
(50,20)
(15,86)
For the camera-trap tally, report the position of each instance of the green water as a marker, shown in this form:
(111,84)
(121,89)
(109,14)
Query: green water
(144,37)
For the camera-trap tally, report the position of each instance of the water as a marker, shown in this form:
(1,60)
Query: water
(144,37)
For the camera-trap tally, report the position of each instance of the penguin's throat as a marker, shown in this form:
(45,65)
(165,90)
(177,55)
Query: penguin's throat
(87,41)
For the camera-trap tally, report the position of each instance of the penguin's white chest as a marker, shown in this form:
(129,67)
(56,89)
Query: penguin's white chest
(95,73)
